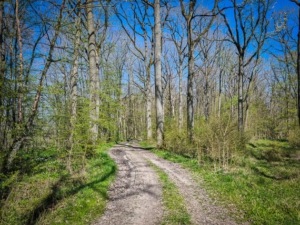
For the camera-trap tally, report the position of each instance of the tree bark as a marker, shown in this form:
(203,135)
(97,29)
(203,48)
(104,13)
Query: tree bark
(190,85)
(206,95)
(2,76)
(120,135)
(158,85)
(240,95)
(93,71)
(20,77)
(298,66)
(74,92)
(298,62)
(130,120)
(148,107)
(180,122)
(148,63)
(220,94)
(171,110)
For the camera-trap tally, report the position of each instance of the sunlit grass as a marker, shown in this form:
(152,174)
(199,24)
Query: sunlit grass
(264,187)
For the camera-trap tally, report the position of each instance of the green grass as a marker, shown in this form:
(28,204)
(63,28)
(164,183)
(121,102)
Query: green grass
(47,194)
(264,186)
(173,201)
(146,144)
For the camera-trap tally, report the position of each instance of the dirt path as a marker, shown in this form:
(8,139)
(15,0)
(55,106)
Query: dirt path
(136,194)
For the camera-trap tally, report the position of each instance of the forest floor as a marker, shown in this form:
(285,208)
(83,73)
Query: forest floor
(138,194)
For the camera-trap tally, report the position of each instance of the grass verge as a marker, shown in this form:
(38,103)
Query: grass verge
(264,185)
(49,195)
(173,201)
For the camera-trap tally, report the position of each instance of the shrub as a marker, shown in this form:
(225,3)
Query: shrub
(294,137)
(219,140)
(176,141)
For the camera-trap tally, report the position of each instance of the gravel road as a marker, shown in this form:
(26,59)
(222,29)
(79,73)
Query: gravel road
(135,197)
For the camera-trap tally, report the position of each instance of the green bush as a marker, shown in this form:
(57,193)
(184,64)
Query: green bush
(218,141)
(294,137)
(177,140)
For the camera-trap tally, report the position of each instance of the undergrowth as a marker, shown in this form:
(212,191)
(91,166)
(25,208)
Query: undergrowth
(173,201)
(263,184)
(48,194)
(217,140)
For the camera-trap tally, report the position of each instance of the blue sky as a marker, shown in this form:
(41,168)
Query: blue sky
(281,4)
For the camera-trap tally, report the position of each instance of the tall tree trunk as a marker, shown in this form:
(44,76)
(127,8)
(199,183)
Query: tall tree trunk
(247,113)
(170,98)
(148,106)
(93,71)
(206,94)
(158,86)
(120,108)
(190,85)
(74,92)
(20,77)
(220,93)
(130,124)
(2,76)
(240,95)
(180,120)
(298,66)
(148,63)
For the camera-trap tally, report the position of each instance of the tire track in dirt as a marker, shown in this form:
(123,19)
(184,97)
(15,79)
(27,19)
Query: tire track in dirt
(135,197)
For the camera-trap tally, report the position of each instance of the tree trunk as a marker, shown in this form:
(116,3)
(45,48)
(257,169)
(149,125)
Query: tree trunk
(180,120)
(206,94)
(190,86)
(298,67)
(148,63)
(93,71)
(148,107)
(2,76)
(247,113)
(240,95)
(120,108)
(74,92)
(20,77)
(170,98)
(130,124)
(158,86)
(220,92)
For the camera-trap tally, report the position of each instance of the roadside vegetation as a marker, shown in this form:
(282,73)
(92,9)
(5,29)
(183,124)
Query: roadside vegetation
(41,191)
(176,212)
(263,185)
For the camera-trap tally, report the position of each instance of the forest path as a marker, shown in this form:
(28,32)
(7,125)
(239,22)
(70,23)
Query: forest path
(135,197)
